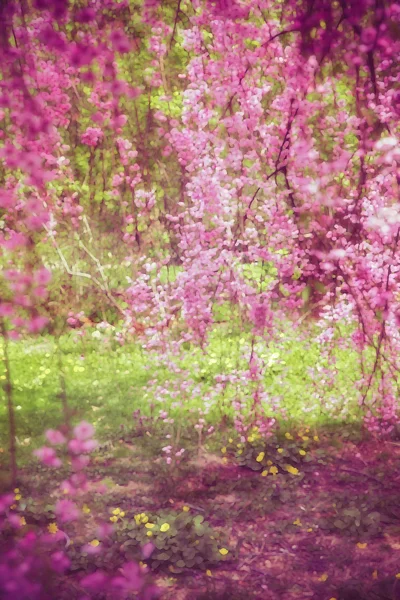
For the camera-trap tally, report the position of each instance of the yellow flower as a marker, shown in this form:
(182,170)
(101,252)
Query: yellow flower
(316,438)
(94,543)
(297,522)
(269,462)
(264,473)
(116,511)
(85,509)
(17,497)
(208,573)
(288,436)
(230,440)
(274,470)
(185,508)
(149,533)
(52,528)
(239,445)
(305,438)
(22,521)
(240,452)
(164,527)
(291,470)
(323,577)
(142,518)
(223,450)
(16,491)
(113,519)
(250,438)
(122,514)
(260,457)
(280,450)
(223,551)
(302,452)
(149,525)
(225,460)
(362,546)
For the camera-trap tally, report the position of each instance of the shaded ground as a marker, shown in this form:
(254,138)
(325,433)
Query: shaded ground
(333,531)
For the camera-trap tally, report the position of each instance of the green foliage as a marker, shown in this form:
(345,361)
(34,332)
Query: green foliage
(353,517)
(283,454)
(182,540)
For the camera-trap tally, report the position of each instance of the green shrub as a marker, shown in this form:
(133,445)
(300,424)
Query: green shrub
(181,541)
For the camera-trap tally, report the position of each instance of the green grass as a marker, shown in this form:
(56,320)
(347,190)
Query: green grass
(105,384)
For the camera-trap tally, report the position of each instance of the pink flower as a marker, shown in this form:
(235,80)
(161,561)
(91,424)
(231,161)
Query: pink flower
(59,562)
(83,431)
(92,136)
(132,578)
(75,446)
(94,582)
(42,277)
(55,437)
(36,324)
(147,550)
(66,511)
(104,530)
(89,445)
(47,456)
(5,502)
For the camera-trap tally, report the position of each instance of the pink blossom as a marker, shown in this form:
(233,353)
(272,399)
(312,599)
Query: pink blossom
(66,511)
(42,277)
(36,324)
(55,437)
(83,431)
(47,456)
(92,136)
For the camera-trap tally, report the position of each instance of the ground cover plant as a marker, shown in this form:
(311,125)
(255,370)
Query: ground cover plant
(199,299)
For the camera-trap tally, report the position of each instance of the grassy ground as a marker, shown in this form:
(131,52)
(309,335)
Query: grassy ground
(106,383)
(327,527)
(331,531)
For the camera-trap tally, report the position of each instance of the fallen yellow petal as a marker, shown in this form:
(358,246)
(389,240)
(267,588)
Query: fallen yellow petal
(223,551)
